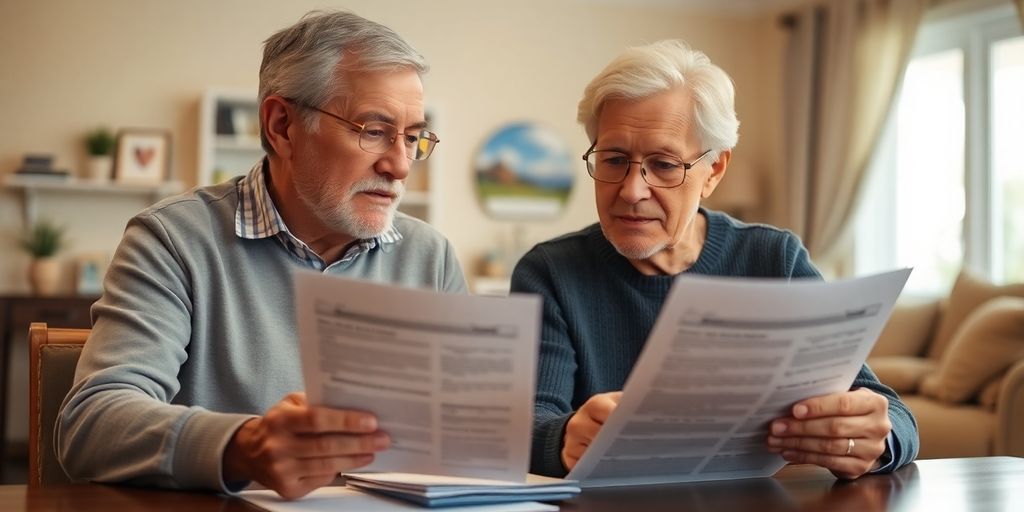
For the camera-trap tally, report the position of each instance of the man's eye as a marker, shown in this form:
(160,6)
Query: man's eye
(374,133)
(663,165)
(615,161)
(410,140)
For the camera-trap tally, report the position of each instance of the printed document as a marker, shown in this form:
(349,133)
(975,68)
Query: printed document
(450,377)
(725,357)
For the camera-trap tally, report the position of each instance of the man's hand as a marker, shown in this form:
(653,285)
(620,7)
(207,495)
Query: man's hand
(295,449)
(584,424)
(842,432)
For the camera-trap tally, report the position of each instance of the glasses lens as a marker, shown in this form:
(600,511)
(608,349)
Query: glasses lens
(663,170)
(607,166)
(420,144)
(377,137)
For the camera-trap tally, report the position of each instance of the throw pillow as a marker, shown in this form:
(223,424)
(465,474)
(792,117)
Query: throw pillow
(901,373)
(969,292)
(908,330)
(990,340)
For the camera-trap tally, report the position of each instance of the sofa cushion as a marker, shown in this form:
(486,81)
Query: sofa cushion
(952,430)
(969,292)
(901,373)
(989,395)
(908,330)
(990,340)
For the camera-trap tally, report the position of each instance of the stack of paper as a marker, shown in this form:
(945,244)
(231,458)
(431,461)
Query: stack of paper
(335,499)
(442,491)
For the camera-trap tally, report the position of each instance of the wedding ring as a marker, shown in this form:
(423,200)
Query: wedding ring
(849,446)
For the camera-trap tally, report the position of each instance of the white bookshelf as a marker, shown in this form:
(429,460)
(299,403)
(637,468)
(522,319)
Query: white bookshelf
(229,142)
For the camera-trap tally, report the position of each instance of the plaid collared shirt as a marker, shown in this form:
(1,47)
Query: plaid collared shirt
(257,217)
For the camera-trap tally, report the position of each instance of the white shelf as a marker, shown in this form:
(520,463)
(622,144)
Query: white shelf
(30,187)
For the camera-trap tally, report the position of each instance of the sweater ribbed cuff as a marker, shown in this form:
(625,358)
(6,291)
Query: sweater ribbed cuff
(547,447)
(199,454)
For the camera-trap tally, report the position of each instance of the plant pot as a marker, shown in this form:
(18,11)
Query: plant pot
(99,167)
(44,276)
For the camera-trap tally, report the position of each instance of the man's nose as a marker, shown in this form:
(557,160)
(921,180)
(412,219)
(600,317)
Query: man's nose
(634,188)
(395,162)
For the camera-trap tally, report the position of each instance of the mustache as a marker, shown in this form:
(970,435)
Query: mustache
(377,184)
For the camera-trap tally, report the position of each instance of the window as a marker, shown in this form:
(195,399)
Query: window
(946,184)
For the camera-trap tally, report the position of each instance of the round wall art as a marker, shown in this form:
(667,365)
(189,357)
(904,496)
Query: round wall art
(523,172)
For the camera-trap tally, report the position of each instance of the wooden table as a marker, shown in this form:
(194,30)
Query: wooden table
(979,484)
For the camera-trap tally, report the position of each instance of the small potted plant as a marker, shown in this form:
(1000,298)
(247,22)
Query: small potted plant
(100,145)
(42,242)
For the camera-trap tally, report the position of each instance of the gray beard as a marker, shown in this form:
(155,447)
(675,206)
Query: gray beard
(343,217)
(634,252)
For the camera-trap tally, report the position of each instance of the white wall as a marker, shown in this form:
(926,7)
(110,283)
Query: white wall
(68,66)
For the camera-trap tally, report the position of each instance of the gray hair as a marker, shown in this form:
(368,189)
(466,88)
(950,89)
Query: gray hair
(300,62)
(643,71)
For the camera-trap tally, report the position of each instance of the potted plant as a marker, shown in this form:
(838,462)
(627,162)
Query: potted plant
(43,241)
(100,145)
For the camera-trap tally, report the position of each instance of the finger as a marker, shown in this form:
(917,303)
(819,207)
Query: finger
(847,403)
(581,428)
(821,445)
(869,427)
(329,466)
(332,445)
(303,419)
(575,450)
(842,467)
(600,407)
(569,461)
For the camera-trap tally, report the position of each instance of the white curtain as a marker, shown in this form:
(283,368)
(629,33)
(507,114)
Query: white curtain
(844,62)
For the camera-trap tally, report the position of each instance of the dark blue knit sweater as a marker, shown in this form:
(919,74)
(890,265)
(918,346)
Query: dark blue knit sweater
(598,311)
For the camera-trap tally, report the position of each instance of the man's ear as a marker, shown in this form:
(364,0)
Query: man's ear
(278,117)
(717,173)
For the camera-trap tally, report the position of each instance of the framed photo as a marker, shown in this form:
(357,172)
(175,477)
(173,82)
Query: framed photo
(89,270)
(142,156)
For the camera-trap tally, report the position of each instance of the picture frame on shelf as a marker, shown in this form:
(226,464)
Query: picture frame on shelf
(142,156)
(89,270)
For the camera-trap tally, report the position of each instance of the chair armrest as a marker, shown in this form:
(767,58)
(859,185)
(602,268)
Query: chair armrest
(1010,413)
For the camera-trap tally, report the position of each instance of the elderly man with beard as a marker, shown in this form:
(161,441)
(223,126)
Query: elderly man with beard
(662,126)
(193,346)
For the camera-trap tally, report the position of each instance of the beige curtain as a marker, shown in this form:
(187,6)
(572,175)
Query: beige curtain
(844,62)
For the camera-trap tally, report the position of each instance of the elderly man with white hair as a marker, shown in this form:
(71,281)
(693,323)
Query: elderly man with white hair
(662,127)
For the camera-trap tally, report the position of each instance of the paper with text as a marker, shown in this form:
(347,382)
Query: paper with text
(725,357)
(450,377)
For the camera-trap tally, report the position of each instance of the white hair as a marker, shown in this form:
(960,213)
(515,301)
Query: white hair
(300,61)
(643,71)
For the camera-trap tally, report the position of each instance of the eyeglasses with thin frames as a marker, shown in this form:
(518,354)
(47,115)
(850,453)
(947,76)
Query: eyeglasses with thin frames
(658,170)
(378,136)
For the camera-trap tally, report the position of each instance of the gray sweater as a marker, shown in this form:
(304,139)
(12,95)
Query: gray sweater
(598,311)
(195,334)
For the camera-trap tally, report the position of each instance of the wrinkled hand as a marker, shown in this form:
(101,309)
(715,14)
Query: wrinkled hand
(584,425)
(820,429)
(295,449)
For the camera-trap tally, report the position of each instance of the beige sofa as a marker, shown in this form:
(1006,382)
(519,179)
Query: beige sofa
(958,363)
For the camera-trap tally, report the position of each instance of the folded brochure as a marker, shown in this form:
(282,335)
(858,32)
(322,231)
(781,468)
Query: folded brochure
(439,491)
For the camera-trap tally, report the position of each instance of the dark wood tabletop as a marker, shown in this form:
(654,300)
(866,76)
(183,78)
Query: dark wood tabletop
(976,484)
